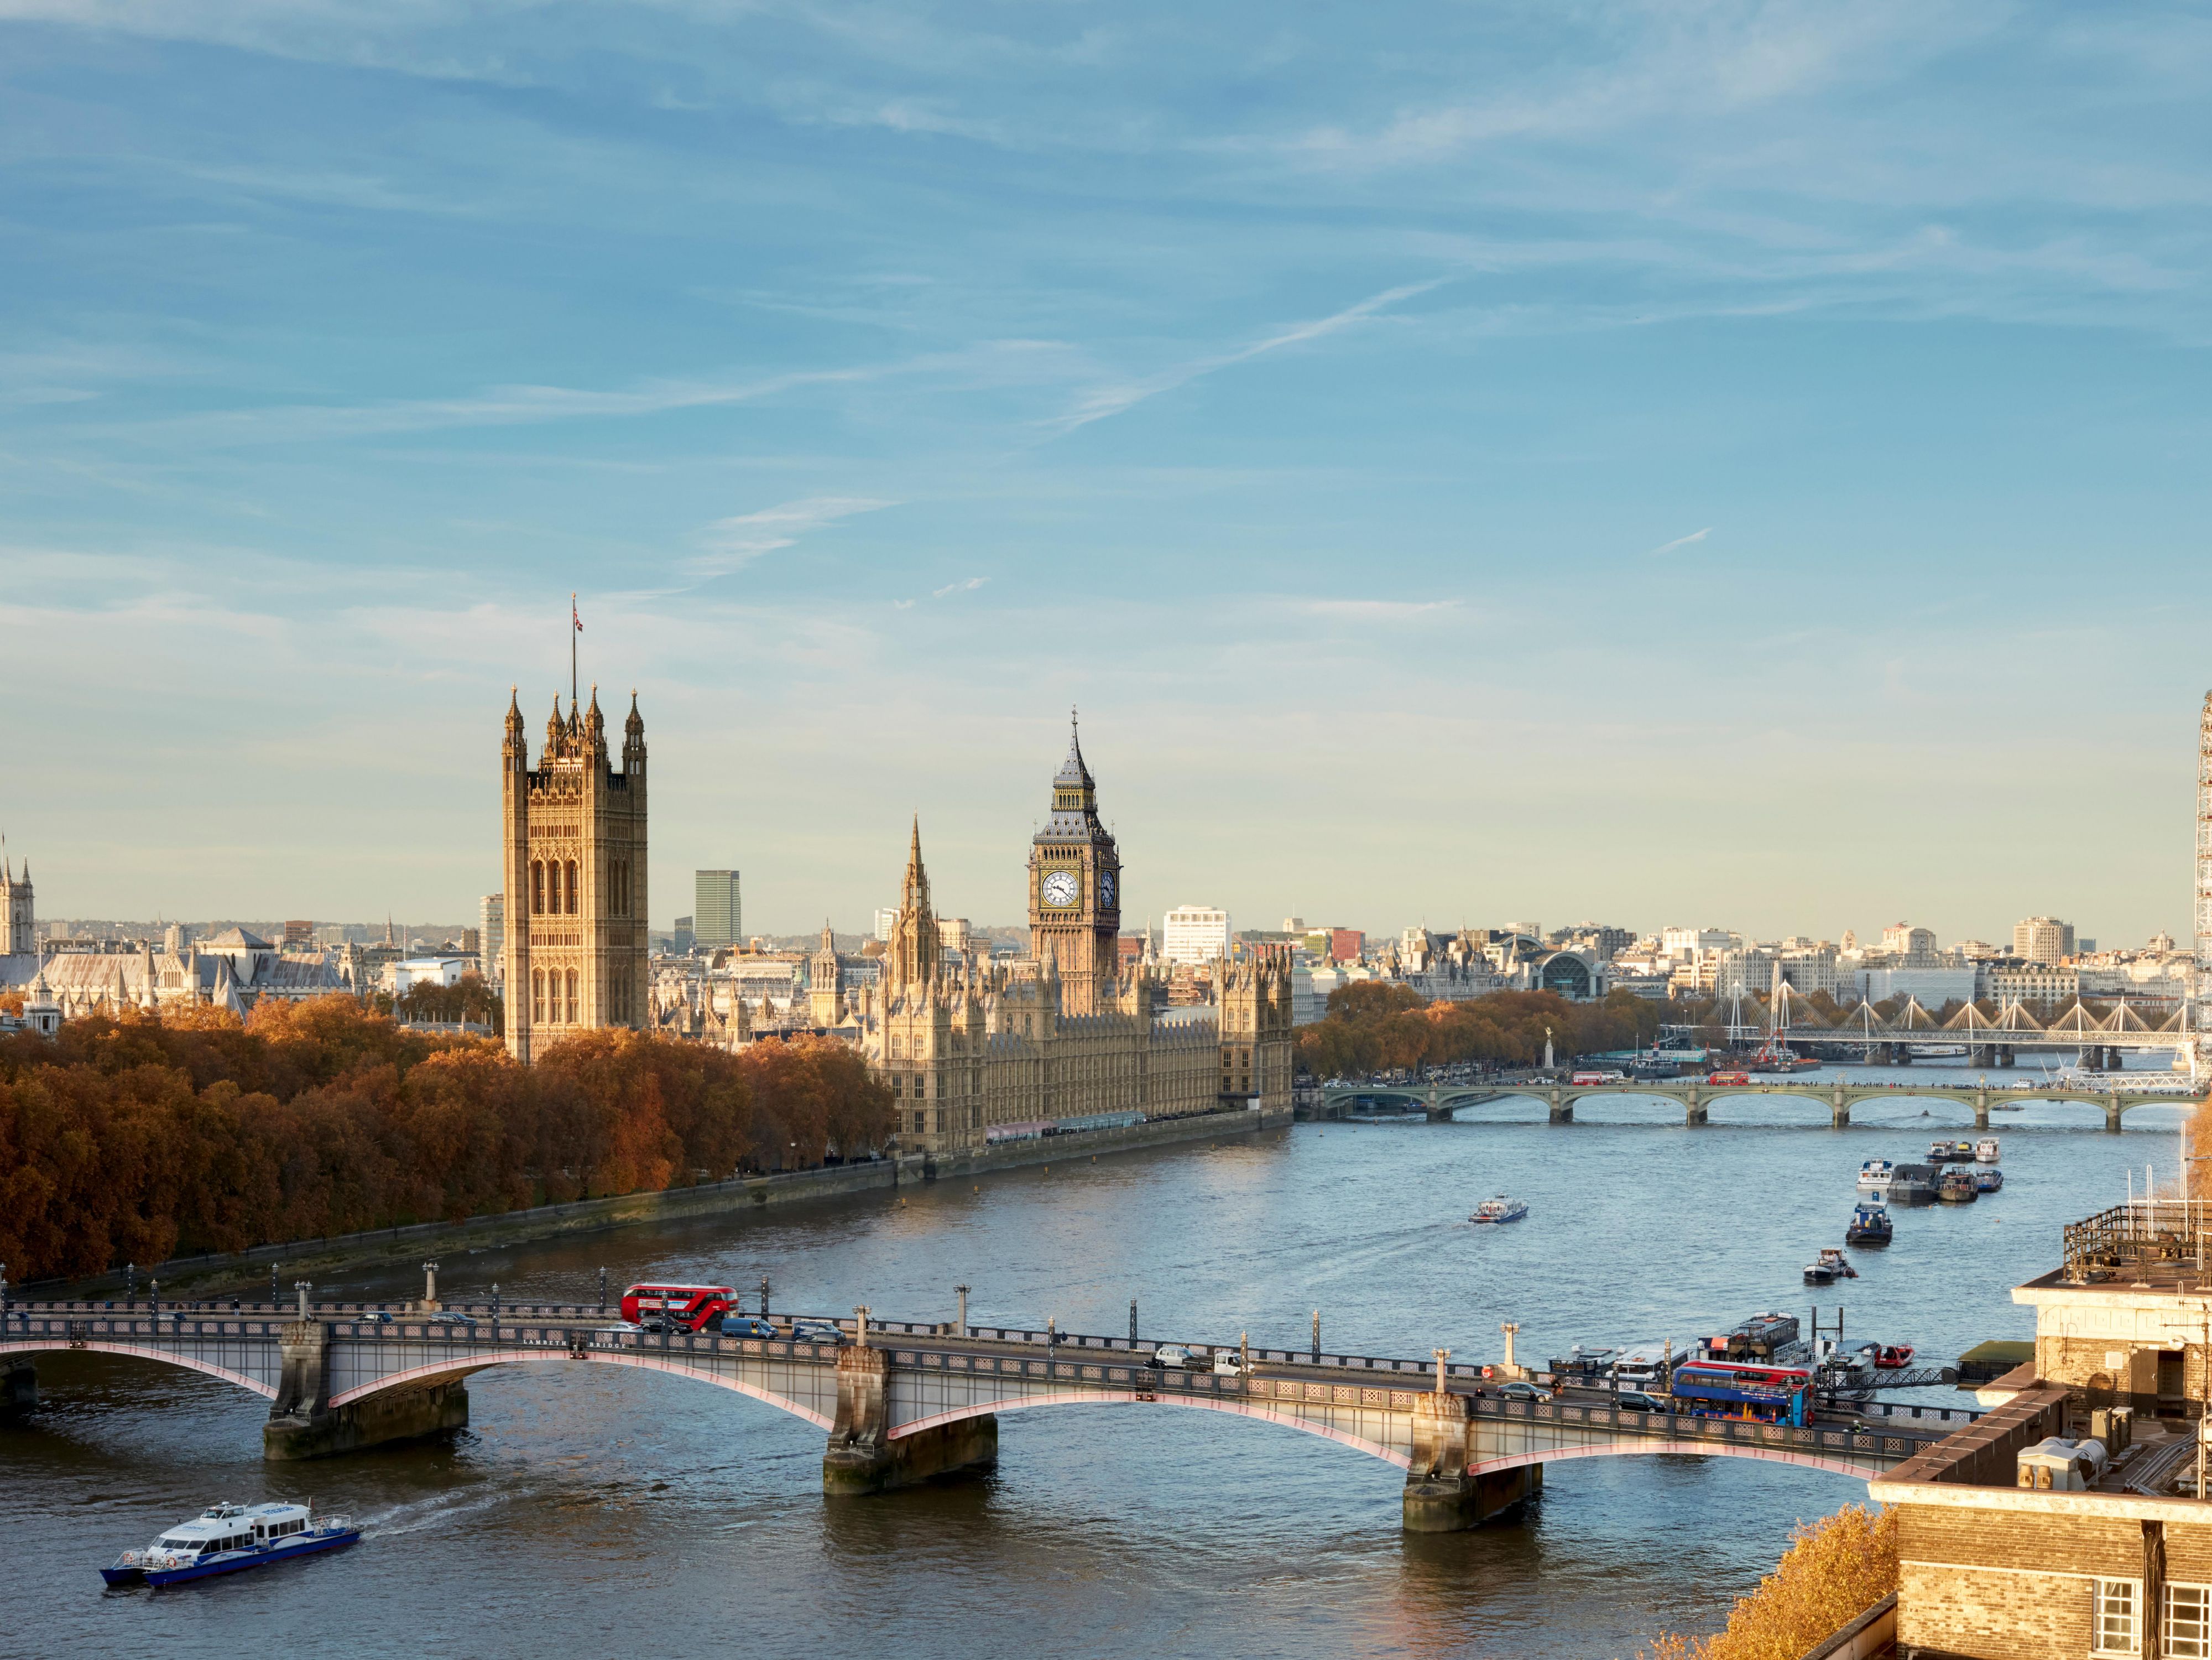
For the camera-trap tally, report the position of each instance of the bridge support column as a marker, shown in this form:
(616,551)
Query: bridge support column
(1981,1109)
(1441,1495)
(2005,1056)
(2112,1114)
(1697,1113)
(1839,1111)
(303,1423)
(19,1387)
(862,1458)
(1563,1110)
(1983,1054)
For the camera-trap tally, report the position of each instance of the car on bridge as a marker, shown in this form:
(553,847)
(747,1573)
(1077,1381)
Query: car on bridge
(815,1331)
(1229,1364)
(1519,1389)
(743,1325)
(1637,1401)
(1175,1355)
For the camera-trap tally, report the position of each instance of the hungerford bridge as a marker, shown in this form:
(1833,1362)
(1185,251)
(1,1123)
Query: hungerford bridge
(1992,1035)
(901,1402)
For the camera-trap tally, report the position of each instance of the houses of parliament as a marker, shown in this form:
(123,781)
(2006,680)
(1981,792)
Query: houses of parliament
(966,1045)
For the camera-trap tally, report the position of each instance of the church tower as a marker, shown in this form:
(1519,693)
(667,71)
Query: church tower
(1075,892)
(18,927)
(574,835)
(824,993)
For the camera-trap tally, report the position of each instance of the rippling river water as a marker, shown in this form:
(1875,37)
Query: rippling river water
(591,1511)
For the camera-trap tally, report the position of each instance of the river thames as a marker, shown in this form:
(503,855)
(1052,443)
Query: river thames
(591,1510)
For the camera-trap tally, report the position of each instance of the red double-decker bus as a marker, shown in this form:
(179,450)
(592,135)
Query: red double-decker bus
(689,1308)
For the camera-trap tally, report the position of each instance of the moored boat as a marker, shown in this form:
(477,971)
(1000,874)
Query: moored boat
(1875,1176)
(1957,1187)
(1869,1226)
(1912,1184)
(1500,1209)
(1941,1153)
(1985,1150)
(1828,1267)
(229,1539)
(1988,1179)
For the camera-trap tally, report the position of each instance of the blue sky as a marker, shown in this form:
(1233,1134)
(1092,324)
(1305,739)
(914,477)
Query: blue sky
(1739,464)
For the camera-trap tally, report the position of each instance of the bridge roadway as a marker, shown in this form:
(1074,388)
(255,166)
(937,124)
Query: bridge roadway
(1439,1101)
(904,1402)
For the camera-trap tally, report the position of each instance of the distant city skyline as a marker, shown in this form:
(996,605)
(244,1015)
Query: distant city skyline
(1738,465)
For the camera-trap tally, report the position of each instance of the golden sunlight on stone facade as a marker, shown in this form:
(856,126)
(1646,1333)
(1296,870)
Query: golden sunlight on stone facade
(576,863)
(967,1048)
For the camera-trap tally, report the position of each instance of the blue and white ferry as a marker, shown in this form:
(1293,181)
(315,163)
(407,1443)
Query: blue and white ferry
(229,1539)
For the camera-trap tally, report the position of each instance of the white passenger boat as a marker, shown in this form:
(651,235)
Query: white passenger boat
(229,1539)
(1875,1176)
(1500,1209)
(1985,1150)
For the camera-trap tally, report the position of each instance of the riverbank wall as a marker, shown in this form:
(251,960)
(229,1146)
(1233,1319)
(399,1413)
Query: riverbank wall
(189,1277)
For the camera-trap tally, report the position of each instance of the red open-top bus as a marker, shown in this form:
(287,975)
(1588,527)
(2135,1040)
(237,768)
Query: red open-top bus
(687,1307)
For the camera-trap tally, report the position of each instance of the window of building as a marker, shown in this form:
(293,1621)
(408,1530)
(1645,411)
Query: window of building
(572,991)
(536,887)
(572,887)
(2112,1626)
(2187,1634)
(538,995)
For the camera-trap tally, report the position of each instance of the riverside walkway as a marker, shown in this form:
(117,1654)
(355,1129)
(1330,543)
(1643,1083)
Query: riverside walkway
(901,1401)
(1439,1101)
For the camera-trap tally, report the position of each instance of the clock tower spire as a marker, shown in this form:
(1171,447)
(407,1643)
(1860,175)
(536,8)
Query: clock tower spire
(1075,889)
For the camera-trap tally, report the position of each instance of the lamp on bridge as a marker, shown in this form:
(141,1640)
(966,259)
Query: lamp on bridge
(430,1288)
(861,1325)
(1511,1328)
(302,1287)
(963,1290)
(129,1285)
(1442,1355)
(1316,1337)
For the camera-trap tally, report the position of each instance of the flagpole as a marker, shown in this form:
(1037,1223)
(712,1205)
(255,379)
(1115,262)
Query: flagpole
(572,651)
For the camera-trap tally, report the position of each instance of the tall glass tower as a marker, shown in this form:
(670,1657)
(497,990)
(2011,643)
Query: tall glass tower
(718,914)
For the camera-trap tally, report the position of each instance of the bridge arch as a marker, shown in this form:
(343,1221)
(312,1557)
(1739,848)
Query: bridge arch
(1692,1448)
(135,1352)
(636,1360)
(1388,1455)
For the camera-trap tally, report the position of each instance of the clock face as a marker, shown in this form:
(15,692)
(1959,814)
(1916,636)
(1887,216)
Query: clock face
(1106,885)
(1059,890)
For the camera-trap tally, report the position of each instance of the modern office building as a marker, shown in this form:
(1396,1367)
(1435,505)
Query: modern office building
(491,935)
(718,914)
(2041,940)
(1195,934)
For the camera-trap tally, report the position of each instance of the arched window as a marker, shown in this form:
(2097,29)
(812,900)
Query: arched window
(572,988)
(572,887)
(538,995)
(537,888)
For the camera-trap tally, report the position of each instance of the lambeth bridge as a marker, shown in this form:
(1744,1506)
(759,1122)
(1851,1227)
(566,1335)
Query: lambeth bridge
(1439,1101)
(902,1402)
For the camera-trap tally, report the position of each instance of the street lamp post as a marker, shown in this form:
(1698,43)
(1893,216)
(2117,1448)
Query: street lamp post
(963,1290)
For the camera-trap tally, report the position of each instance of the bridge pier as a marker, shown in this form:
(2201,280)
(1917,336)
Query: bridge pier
(2005,1056)
(1697,1113)
(1982,1055)
(1981,1109)
(1563,1110)
(862,1458)
(19,1387)
(1441,1495)
(303,1423)
(1839,1111)
(2112,1110)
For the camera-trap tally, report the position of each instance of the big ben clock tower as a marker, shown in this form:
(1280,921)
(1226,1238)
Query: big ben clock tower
(1075,890)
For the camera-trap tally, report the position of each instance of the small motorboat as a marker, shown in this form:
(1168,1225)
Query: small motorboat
(1500,1209)
(1875,1176)
(1869,1226)
(1958,1187)
(1944,1152)
(1828,1267)
(1985,1150)
(1988,1179)
(229,1539)
(1892,1357)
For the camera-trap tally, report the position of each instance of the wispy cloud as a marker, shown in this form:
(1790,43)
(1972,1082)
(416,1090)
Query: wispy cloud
(1371,610)
(968,587)
(1113,400)
(1681,542)
(738,540)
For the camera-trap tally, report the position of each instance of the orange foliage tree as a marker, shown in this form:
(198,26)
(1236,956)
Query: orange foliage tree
(1834,1571)
(137,1138)
(1374,1026)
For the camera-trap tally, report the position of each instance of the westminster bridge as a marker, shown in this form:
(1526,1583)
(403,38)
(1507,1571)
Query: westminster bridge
(1439,1101)
(901,1403)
